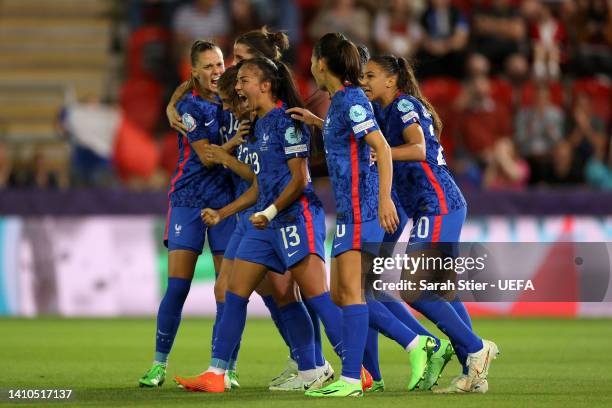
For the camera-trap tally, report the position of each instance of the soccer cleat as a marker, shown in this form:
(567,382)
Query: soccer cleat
(326,372)
(366,379)
(461,385)
(155,377)
(205,382)
(339,388)
(290,371)
(419,358)
(478,363)
(377,386)
(232,377)
(439,360)
(297,384)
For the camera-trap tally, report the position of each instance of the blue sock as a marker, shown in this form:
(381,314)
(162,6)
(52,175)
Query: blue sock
(330,315)
(382,320)
(229,330)
(401,312)
(370,356)
(448,321)
(218,316)
(319,357)
(354,336)
(299,327)
(465,316)
(169,316)
(275,315)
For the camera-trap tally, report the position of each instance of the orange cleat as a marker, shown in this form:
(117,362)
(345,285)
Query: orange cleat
(366,379)
(206,382)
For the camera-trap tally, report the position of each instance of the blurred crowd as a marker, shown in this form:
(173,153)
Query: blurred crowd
(523,86)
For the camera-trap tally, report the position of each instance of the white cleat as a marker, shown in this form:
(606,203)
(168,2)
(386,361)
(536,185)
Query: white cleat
(460,385)
(479,362)
(290,371)
(326,372)
(297,383)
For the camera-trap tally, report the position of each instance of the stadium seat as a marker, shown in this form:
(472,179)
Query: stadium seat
(441,90)
(148,51)
(136,154)
(599,92)
(169,152)
(556,94)
(501,91)
(141,101)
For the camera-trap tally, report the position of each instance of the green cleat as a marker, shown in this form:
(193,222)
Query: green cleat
(233,379)
(439,360)
(419,360)
(339,388)
(377,386)
(155,377)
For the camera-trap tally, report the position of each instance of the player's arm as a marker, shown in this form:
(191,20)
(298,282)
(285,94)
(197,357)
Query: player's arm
(218,155)
(387,213)
(306,116)
(173,116)
(247,199)
(294,189)
(414,148)
(200,148)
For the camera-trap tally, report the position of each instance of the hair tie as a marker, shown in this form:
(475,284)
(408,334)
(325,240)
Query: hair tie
(347,83)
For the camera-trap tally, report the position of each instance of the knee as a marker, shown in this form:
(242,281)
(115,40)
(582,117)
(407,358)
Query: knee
(220,289)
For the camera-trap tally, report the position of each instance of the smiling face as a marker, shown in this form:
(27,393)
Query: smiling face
(377,82)
(208,69)
(249,86)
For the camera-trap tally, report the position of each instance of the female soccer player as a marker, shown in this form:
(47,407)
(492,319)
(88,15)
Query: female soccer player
(196,184)
(362,207)
(289,227)
(427,192)
(269,44)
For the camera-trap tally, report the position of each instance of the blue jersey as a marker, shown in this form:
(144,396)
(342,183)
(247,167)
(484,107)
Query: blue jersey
(427,187)
(277,140)
(193,184)
(228,131)
(354,179)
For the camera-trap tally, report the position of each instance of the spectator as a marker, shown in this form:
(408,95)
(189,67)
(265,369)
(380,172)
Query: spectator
(445,38)
(395,30)
(202,19)
(483,122)
(547,36)
(342,16)
(516,72)
(506,170)
(592,24)
(243,17)
(498,31)
(538,130)
(565,168)
(597,173)
(585,129)
(477,65)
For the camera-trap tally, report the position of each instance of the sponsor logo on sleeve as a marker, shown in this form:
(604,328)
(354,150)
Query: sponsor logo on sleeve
(409,116)
(296,149)
(363,126)
(404,105)
(189,122)
(357,113)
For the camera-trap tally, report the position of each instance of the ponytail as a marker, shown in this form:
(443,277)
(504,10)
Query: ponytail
(407,83)
(342,57)
(265,43)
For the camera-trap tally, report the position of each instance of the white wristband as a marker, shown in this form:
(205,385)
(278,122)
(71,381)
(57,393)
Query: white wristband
(269,212)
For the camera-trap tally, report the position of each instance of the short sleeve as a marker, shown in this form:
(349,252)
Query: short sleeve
(407,112)
(202,123)
(360,117)
(295,140)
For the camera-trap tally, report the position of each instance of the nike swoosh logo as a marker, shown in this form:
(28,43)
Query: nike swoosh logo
(484,368)
(337,245)
(293,253)
(208,123)
(309,384)
(162,333)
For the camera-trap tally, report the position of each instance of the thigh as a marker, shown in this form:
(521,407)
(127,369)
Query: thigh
(310,276)
(181,263)
(260,246)
(222,281)
(220,234)
(245,277)
(282,288)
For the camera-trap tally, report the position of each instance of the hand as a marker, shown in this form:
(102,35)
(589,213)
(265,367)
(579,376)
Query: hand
(210,217)
(259,221)
(215,154)
(175,121)
(306,116)
(243,130)
(387,215)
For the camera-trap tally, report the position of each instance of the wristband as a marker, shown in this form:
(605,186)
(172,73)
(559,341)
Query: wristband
(269,212)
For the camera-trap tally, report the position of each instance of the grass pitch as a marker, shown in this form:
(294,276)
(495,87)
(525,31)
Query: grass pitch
(544,363)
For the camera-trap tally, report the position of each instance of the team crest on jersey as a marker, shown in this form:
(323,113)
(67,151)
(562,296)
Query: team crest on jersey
(177,229)
(404,105)
(357,113)
(291,136)
(189,122)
